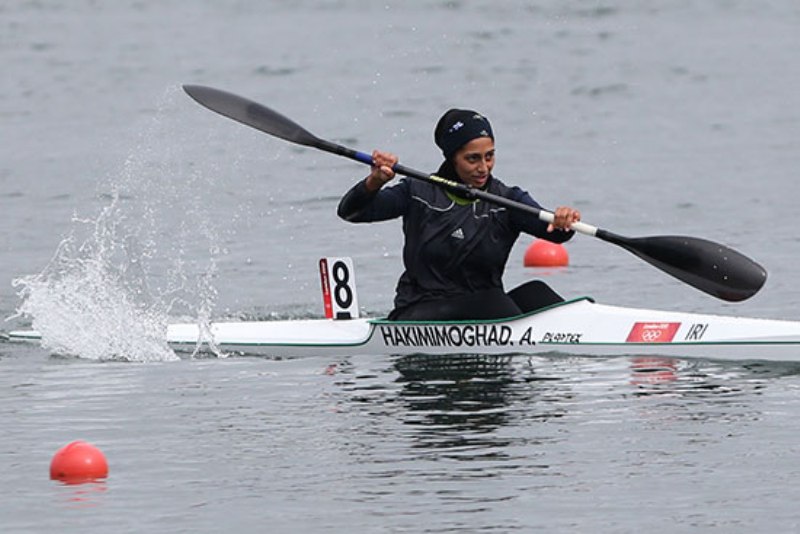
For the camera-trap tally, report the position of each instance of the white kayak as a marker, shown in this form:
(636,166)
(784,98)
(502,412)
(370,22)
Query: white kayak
(575,327)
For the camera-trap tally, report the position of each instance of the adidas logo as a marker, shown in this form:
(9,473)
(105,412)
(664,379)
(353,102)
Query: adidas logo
(458,234)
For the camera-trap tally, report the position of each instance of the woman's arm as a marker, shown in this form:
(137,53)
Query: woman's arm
(557,232)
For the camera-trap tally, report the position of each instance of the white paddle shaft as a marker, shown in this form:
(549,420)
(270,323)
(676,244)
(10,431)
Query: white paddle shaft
(580,227)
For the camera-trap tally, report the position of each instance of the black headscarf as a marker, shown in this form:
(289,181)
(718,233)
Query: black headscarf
(456,128)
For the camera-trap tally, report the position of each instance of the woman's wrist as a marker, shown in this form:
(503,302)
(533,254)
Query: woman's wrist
(373,183)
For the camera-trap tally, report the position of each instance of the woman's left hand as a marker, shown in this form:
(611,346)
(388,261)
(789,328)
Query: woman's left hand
(564,217)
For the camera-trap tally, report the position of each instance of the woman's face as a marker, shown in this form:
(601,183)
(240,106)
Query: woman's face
(474,161)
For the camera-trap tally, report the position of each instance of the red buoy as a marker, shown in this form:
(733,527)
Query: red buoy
(543,253)
(78,462)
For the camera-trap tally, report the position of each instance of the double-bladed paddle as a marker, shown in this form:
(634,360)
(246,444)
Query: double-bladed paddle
(710,267)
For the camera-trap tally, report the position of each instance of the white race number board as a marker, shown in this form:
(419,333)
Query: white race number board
(338,288)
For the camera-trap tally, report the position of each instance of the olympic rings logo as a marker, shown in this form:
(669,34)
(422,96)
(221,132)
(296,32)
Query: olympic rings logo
(651,336)
(658,332)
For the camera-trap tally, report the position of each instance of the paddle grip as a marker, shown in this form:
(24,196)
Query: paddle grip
(580,227)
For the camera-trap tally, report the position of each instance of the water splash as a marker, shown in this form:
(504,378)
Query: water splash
(116,278)
(84,303)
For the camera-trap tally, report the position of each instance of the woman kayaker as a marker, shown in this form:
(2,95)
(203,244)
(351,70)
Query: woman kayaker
(455,249)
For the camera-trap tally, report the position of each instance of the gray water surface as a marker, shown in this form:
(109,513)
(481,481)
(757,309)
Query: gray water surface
(665,118)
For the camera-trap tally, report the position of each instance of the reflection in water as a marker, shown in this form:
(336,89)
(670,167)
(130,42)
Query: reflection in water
(654,376)
(454,408)
(698,378)
(649,370)
(82,495)
(443,396)
(453,367)
(455,394)
(459,404)
(706,391)
(458,432)
(508,411)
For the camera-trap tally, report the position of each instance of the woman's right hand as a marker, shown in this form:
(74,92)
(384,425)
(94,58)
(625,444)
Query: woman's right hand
(382,163)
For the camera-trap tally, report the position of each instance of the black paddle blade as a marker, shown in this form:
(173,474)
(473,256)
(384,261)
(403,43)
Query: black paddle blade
(251,114)
(710,267)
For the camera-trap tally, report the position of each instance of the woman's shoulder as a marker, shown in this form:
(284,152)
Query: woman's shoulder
(498,187)
(411,188)
(421,187)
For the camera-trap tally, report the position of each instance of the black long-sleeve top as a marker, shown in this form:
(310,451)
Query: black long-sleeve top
(452,246)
